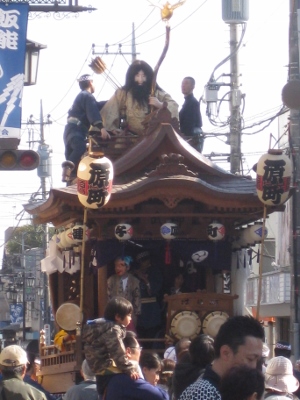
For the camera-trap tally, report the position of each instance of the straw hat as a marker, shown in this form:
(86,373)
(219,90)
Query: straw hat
(279,375)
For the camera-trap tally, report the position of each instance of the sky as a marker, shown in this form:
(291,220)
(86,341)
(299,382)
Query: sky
(199,41)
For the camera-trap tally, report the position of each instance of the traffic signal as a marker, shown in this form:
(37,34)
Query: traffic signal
(18,160)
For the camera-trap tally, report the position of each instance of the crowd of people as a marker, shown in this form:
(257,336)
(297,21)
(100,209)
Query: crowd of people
(231,366)
(125,113)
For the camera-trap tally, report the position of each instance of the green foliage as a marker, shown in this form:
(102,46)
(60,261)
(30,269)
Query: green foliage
(30,235)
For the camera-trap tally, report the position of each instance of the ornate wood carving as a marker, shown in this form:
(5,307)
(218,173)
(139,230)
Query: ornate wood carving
(171,164)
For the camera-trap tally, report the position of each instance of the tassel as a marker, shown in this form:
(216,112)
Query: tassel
(168,253)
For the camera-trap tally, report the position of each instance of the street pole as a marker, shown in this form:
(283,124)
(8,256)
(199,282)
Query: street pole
(295,149)
(235,102)
(24,288)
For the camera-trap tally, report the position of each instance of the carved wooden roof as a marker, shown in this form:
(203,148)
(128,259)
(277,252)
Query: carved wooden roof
(161,177)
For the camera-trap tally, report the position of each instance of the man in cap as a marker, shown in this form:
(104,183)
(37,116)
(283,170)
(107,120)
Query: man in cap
(84,114)
(13,362)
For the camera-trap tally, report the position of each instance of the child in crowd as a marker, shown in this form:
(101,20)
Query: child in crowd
(124,284)
(103,343)
(151,366)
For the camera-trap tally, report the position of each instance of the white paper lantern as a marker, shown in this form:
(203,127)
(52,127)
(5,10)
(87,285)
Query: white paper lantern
(62,242)
(94,183)
(253,234)
(80,233)
(273,179)
(123,232)
(169,230)
(216,231)
(69,237)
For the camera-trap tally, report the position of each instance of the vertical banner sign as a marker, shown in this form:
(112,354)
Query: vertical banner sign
(13,27)
(16,313)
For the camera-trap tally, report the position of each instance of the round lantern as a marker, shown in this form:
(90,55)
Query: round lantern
(169,230)
(62,240)
(273,178)
(69,237)
(123,231)
(253,234)
(80,233)
(94,183)
(216,231)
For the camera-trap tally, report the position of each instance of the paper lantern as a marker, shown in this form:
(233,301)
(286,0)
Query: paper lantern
(253,234)
(80,233)
(62,242)
(273,179)
(169,230)
(94,183)
(123,231)
(216,231)
(69,237)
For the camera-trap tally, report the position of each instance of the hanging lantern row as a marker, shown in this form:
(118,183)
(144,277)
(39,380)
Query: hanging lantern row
(124,232)
(94,181)
(273,179)
(250,236)
(72,236)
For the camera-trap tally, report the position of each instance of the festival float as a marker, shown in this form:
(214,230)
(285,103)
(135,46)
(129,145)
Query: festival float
(154,193)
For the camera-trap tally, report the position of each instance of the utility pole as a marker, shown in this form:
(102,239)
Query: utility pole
(295,149)
(235,104)
(235,13)
(133,52)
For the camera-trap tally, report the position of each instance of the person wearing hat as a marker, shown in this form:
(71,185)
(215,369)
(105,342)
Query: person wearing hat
(283,348)
(125,284)
(280,383)
(84,114)
(13,362)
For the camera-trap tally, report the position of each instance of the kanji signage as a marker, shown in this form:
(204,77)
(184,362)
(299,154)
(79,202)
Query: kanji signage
(13,28)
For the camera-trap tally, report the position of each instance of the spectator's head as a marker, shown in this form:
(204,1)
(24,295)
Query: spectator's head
(182,347)
(118,309)
(13,360)
(242,383)
(239,342)
(133,349)
(279,376)
(86,83)
(166,372)
(151,366)
(86,372)
(187,85)
(202,350)
(283,349)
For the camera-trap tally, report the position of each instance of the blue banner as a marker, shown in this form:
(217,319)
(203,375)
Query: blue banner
(13,28)
(16,313)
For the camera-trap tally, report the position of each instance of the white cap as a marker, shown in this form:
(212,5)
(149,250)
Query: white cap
(13,356)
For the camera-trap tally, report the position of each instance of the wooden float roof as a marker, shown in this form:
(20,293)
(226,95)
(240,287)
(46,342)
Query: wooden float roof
(161,176)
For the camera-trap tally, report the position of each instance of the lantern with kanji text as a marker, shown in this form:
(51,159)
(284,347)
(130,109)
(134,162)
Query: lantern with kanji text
(273,178)
(216,231)
(169,230)
(94,180)
(123,232)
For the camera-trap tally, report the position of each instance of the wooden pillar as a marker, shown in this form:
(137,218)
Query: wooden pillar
(102,290)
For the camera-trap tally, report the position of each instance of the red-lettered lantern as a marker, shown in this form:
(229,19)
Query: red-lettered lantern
(273,179)
(94,181)
(123,232)
(169,230)
(216,231)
